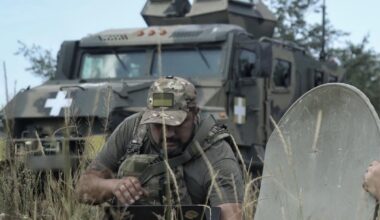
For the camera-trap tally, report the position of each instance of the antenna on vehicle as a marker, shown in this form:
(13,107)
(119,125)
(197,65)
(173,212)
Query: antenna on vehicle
(6,82)
(322,55)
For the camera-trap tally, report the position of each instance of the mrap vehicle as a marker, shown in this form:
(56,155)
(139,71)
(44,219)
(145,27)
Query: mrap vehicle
(225,47)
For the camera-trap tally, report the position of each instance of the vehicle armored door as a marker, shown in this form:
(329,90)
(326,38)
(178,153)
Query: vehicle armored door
(248,101)
(282,82)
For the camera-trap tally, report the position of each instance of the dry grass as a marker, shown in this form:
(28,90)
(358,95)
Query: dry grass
(27,194)
(34,195)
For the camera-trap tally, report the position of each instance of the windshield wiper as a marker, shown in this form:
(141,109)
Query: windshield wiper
(72,86)
(121,61)
(203,57)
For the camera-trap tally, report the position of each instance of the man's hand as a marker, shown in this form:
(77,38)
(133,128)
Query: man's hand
(231,211)
(128,190)
(372,179)
(97,185)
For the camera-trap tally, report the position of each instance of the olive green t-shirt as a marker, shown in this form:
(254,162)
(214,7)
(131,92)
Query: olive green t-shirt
(224,171)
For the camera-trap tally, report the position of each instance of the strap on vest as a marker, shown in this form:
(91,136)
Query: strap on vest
(190,152)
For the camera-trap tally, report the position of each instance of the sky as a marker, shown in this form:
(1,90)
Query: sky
(49,22)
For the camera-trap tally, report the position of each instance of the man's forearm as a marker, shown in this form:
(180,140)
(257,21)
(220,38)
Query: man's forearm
(94,188)
(231,211)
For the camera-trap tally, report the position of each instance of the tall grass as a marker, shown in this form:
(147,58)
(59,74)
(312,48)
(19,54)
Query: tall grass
(28,194)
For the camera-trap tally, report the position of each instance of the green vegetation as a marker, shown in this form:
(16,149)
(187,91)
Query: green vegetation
(42,61)
(362,66)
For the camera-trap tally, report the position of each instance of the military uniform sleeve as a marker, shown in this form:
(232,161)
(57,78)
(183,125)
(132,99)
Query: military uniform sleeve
(224,183)
(115,147)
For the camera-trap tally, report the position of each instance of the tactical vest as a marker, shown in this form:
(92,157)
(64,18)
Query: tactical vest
(146,167)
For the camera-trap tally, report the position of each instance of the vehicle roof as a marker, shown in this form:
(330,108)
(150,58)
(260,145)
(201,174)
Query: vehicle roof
(161,35)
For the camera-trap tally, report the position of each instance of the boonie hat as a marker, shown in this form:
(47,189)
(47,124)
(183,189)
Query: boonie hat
(169,100)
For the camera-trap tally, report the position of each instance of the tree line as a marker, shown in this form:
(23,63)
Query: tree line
(361,63)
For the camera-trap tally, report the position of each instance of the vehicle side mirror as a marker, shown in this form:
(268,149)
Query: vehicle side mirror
(65,60)
(246,63)
(246,68)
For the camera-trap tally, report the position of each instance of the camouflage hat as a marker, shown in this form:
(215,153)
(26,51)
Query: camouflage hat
(169,100)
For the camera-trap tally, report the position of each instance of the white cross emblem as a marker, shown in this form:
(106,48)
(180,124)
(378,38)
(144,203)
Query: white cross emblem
(58,103)
(239,110)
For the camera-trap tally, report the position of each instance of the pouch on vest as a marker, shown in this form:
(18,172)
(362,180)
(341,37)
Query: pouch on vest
(136,164)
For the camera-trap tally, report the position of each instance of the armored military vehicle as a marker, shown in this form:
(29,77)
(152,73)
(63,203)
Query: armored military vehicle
(225,47)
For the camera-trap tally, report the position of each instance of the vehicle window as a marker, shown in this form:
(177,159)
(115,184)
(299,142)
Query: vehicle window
(188,62)
(245,1)
(247,61)
(113,65)
(282,73)
(318,78)
(333,78)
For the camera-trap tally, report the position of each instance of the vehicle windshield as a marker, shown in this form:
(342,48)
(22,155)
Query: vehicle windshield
(114,65)
(189,62)
(186,62)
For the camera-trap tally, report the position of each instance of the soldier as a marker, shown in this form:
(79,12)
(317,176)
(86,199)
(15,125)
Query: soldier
(372,179)
(208,172)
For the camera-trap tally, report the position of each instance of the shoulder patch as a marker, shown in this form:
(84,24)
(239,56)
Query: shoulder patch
(218,132)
